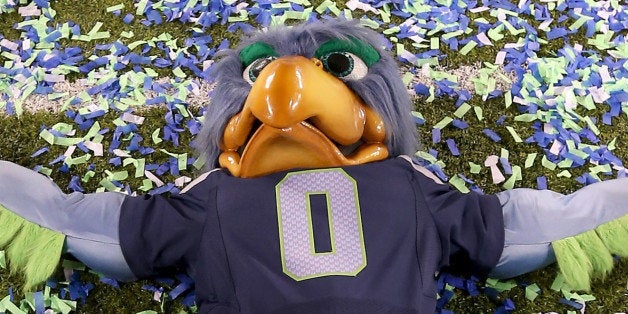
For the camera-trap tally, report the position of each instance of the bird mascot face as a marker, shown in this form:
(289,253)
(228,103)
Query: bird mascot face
(310,96)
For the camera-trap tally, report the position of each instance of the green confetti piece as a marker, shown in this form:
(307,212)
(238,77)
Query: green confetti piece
(564,174)
(581,297)
(7,306)
(532,291)
(141,7)
(459,184)
(443,123)
(178,72)
(140,167)
(147,185)
(426,156)
(116,7)
(495,33)
(155,136)
(526,117)
(88,175)
(478,112)
(612,145)
(474,168)
(407,78)
(514,134)
(108,185)
(60,305)
(78,160)
(183,161)
(45,170)
(117,176)
(600,168)
(321,7)
(500,286)
(72,265)
(47,136)
(548,164)
(565,163)
(468,47)
(592,125)
(504,153)
(516,176)
(508,99)
(452,34)
(434,43)
(462,110)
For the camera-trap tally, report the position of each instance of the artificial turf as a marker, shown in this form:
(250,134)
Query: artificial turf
(20,138)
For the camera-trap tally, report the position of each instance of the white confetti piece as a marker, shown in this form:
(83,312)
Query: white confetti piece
(129,117)
(120,153)
(599,94)
(181,181)
(8,44)
(491,162)
(97,148)
(484,39)
(153,178)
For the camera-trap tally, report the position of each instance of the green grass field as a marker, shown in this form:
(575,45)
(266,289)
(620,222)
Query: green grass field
(21,123)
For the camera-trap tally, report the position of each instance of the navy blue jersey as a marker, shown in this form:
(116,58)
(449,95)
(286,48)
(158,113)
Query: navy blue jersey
(367,238)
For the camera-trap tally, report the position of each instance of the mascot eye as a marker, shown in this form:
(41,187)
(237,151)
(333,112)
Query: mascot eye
(252,71)
(344,65)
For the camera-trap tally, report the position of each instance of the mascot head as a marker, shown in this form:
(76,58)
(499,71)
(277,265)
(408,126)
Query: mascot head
(322,94)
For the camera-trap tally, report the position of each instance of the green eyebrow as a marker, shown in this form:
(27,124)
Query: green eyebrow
(360,48)
(255,51)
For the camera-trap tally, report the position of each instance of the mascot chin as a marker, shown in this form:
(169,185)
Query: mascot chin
(310,202)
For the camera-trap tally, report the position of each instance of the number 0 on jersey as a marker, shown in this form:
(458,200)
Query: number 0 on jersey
(296,232)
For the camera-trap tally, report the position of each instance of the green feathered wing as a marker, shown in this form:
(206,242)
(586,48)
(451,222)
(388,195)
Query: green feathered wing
(31,250)
(589,255)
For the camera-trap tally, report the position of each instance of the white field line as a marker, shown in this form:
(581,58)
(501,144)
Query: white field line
(198,97)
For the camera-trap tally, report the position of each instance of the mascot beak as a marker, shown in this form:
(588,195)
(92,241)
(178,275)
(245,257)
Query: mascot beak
(297,115)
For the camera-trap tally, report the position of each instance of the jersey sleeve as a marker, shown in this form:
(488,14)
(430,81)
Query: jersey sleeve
(470,226)
(159,235)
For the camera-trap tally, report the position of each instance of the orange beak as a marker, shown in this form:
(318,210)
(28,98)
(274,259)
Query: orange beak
(305,117)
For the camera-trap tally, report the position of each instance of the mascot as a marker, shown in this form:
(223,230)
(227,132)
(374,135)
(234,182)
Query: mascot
(310,202)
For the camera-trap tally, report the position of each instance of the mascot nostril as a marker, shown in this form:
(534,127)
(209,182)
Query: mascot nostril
(316,206)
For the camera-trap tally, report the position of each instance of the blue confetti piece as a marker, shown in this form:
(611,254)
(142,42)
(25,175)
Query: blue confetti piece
(110,281)
(189,299)
(492,135)
(541,183)
(38,298)
(506,165)
(40,151)
(436,135)
(574,304)
(75,184)
(128,18)
(178,290)
(451,144)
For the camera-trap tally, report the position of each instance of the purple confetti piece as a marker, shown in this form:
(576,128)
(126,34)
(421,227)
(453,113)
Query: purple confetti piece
(574,304)
(40,152)
(492,135)
(110,281)
(436,135)
(178,290)
(451,144)
(541,183)
(38,298)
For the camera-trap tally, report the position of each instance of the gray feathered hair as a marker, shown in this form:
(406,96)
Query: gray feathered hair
(381,88)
